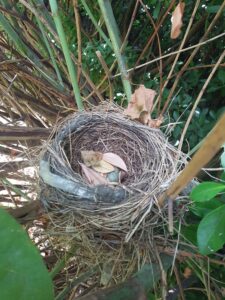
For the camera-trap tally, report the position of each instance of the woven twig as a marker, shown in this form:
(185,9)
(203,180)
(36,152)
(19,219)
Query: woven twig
(152,165)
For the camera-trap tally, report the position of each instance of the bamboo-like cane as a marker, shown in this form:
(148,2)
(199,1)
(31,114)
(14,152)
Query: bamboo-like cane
(66,52)
(113,31)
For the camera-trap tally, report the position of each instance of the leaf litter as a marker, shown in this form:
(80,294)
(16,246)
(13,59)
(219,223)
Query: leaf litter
(141,105)
(102,168)
(176,20)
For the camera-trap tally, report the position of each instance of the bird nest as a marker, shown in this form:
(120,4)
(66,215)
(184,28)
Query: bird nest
(119,210)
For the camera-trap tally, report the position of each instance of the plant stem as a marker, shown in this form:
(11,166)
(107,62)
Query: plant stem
(75,282)
(191,57)
(79,39)
(98,28)
(199,98)
(208,149)
(15,189)
(66,52)
(25,50)
(47,22)
(113,31)
(58,267)
(173,53)
(50,52)
(180,47)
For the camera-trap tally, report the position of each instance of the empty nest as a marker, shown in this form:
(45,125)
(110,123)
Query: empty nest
(152,162)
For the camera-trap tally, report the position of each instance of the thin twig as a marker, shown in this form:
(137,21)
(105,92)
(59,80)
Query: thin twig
(98,28)
(191,58)
(209,148)
(199,67)
(170,216)
(48,46)
(153,35)
(179,283)
(107,72)
(102,81)
(177,246)
(181,47)
(182,254)
(160,51)
(79,40)
(56,38)
(198,99)
(130,25)
(213,169)
(172,53)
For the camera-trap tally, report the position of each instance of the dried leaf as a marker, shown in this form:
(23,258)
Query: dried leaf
(91,158)
(141,103)
(103,167)
(115,160)
(92,176)
(187,272)
(176,20)
(155,123)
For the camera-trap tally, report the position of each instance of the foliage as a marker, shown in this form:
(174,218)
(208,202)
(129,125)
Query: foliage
(22,272)
(142,31)
(204,228)
(211,232)
(206,191)
(211,228)
(36,87)
(192,79)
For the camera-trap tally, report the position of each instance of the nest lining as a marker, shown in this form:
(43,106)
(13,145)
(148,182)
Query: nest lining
(151,161)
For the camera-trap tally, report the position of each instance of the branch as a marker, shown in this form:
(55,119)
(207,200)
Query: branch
(209,148)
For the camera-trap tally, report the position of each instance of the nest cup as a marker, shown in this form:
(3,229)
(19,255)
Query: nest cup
(122,210)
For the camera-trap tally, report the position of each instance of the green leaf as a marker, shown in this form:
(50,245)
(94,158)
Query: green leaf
(206,191)
(221,75)
(23,274)
(213,9)
(190,233)
(222,177)
(203,208)
(151,296)
(211,231)
(156,10)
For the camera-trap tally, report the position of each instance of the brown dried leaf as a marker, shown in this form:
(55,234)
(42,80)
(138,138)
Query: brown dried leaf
(92,176)
(176,20)
(103,167)
(141,104)
(187,272)
(91,158)
(155,123)
(115,160)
